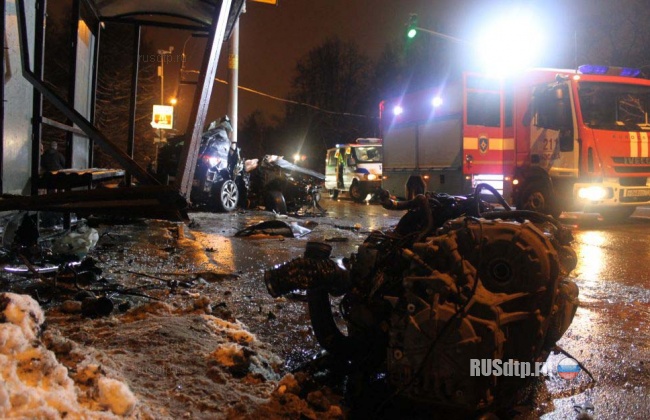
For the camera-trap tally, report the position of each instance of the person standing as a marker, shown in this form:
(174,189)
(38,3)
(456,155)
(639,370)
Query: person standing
(340,167)
(52,159)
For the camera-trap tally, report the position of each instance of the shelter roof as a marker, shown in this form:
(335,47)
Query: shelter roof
(182,12)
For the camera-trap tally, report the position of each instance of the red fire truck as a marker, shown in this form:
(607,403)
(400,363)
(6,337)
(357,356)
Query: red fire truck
(549,139)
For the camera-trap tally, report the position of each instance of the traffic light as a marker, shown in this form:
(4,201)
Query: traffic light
(413,26)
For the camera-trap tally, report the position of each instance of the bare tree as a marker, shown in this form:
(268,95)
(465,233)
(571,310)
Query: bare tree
(114,92)
(614,33)
(334,80)
(254,135)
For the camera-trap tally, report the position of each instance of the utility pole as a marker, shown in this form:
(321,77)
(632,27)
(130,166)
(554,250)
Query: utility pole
(233,73)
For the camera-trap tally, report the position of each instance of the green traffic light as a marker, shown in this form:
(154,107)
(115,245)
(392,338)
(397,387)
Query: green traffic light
(413,26)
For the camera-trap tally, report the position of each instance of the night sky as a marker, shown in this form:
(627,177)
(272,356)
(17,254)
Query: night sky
(273,38)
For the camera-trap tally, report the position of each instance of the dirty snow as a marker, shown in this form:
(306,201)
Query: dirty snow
(172,350)
(35,384)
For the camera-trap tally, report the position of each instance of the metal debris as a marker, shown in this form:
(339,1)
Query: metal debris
(447,285)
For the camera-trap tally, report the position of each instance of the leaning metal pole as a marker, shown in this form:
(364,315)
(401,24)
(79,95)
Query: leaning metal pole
(190,152)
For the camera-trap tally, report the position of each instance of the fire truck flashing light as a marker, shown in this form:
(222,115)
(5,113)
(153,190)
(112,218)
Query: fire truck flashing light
(609,70)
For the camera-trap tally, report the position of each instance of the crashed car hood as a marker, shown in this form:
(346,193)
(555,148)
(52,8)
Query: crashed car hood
(288,166)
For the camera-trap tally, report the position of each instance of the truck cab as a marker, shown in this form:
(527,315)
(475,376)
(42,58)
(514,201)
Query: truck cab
(583,142)
(355,168)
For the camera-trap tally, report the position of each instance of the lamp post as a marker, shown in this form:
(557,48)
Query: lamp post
(161,73)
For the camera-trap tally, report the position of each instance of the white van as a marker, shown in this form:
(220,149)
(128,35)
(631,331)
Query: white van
(355,168)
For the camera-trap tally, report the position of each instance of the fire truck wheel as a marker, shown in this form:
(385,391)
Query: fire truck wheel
(537,197)
(225,195)
(616,214)
(356,193)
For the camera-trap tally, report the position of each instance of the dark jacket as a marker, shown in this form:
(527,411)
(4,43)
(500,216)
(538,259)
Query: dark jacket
(52,160)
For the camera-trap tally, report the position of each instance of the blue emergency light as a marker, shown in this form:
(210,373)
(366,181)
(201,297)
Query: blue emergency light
(609,70)
(630,72)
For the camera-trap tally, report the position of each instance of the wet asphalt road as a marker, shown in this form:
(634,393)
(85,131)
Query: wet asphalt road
(610,333)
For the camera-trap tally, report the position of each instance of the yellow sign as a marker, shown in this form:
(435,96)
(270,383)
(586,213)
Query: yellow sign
(163,117)
(275,2)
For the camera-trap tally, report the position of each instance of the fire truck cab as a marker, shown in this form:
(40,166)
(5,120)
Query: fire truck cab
(550,140)
(582,141)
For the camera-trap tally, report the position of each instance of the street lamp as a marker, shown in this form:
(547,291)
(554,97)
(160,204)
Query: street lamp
(161,72)
(510,43)
(513,42)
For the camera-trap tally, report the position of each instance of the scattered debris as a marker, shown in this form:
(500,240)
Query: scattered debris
(337,239)
(424,298)
(23,269)
(356,227)
(96,307)
(76,243)
(274,228)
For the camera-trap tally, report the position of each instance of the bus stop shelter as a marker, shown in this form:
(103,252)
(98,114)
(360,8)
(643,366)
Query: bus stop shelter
(22,100)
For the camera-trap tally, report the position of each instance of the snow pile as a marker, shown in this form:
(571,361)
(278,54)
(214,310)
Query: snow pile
(229,355)
(33,384)
(299,396)
(116,396)
(23,312)
(240,352)
(235,331)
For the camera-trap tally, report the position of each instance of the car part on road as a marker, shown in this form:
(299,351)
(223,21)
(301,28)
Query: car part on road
(452,282)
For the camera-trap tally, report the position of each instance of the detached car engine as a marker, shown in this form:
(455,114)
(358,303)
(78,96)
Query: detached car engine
(451,283)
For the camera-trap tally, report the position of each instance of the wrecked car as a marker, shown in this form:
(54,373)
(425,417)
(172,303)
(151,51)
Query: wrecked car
(283,187)
(454,281)
(218,181)
(224,181)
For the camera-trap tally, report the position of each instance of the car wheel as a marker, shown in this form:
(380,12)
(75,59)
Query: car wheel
(334,194)
(616,214)
(537,197)
(226,196)
(356,193)
(274,201)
